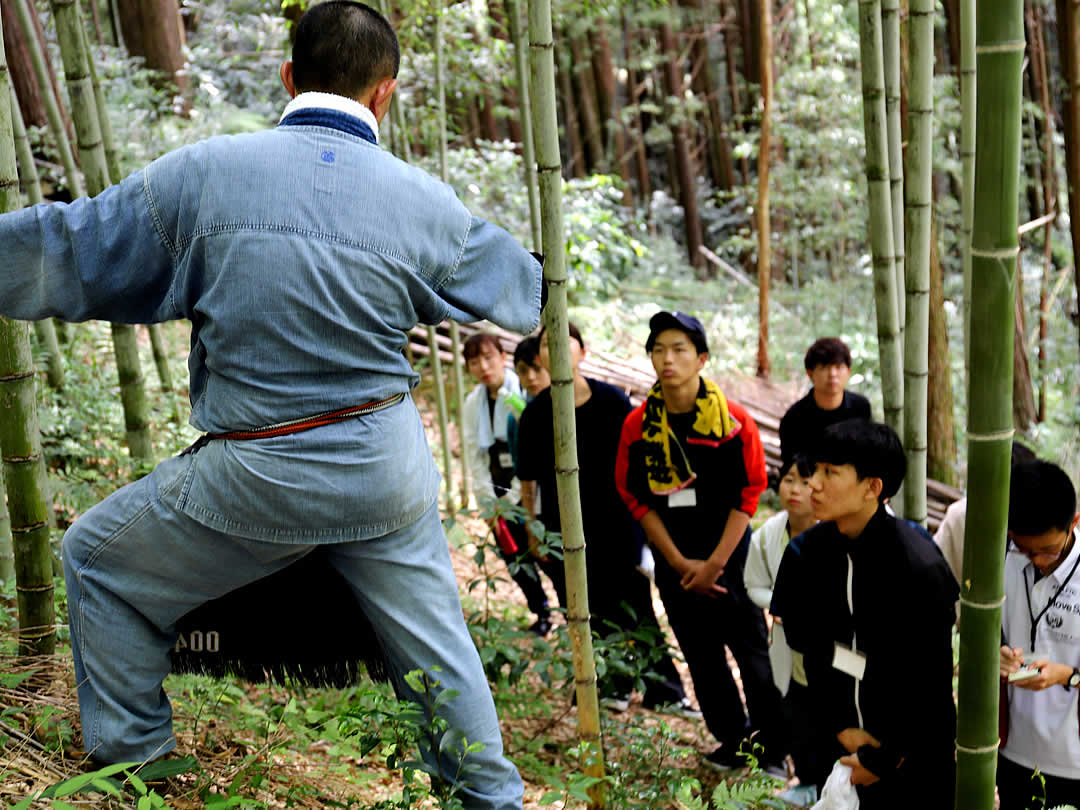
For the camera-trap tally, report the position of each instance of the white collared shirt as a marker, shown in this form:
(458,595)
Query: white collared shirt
(1044,729)
(330,101)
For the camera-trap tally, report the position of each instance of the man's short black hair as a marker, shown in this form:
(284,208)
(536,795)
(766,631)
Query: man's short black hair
(827,351)
(575,333)
(343,48)
(873,449)
(800,462)
(474,344)
(528,351)
(1041,498)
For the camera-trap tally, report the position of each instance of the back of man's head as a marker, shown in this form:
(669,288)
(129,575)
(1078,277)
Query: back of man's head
(1041,498)
(827,351)
(873,449)
(343,48)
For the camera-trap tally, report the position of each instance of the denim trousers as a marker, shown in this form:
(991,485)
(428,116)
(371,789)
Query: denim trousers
(135,564)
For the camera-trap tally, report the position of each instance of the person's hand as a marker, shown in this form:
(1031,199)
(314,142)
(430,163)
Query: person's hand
(855,738)
(859,774)
(1011,659)
(777,620)
(1050,674)
(700,577)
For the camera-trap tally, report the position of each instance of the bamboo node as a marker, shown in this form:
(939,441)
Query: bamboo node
(573,548)
(991,437)
(555,168)
(33,457)
(33,527)
(33,588)
(1000,253)
(1003,47)
(982,749)
(577,619)
(971,603)
(21,375)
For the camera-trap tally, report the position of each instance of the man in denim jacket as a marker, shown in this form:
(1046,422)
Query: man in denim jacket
(301,255)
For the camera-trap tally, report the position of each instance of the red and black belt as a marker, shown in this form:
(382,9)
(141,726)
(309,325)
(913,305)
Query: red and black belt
(297,425)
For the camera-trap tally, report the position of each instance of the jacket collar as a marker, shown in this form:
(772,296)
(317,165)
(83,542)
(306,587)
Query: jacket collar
(330,102)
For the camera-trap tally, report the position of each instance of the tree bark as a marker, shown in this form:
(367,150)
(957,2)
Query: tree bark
(940,427)
(28,87)
(719,150)
(542,68)
(687,173)
(152,30)
(750,31)
(581,69)
(576,167)
(1068,31)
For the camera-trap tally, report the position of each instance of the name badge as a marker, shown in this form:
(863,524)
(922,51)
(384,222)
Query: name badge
(684,497)
(506,461)
(849,661)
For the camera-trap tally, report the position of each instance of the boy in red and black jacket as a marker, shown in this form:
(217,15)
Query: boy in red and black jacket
(691,469)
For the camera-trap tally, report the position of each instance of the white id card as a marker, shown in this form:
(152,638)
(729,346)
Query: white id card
(684,497)
(506,461)
(849,661)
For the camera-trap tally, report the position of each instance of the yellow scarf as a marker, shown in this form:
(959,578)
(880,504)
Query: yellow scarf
(713,423)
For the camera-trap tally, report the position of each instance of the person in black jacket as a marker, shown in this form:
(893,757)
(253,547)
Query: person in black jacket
(828,365)
(869,603)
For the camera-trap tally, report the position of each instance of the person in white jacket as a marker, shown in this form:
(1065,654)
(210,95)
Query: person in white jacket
(767,546)
(488,408)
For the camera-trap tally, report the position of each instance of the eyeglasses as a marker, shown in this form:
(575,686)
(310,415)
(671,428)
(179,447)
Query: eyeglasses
(1047,556)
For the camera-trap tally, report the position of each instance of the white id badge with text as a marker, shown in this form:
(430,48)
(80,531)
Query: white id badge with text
(684,497)
(849,661)
(506,461)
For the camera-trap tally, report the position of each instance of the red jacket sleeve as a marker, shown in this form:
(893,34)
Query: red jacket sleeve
(631,432)
(753,458)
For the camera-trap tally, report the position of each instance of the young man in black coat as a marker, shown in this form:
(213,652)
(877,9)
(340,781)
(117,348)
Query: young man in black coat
(869,603)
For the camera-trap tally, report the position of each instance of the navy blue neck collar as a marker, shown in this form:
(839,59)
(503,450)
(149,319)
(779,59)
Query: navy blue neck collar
(334,119)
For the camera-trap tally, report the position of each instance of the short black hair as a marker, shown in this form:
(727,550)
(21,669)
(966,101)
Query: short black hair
(343,48)
(800,462)
(1021,453)
(528,351)
(575,333)
(475,343)
(873,449)
(827,351)
(1041,498)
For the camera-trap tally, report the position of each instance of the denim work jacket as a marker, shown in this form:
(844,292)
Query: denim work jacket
(301,255)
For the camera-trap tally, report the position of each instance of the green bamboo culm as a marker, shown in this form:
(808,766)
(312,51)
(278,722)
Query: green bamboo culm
(20,437)
(520,37)
(7,550)
(999,55)
(890,348)
(96,170)
(455,331)
(890,44)
(967,161)
(549,171)
(31,186)
(918,193)
(52,106)
(440,405)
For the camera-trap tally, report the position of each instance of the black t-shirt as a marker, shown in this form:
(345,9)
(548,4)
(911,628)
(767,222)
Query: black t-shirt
(599,425)
(804,421)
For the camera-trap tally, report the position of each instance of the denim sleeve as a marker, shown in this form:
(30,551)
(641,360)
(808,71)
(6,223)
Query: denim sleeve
(494,278)
(99,257)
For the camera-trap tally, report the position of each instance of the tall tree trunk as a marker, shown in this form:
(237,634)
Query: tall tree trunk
(994,250)
(31,185)
(687,172)
(967,160)
(1049,184)
(581,70)
(641,161)
(1068,31)
(1023,396)
(20,437)
(28,87)
(576,167)
(764,232)
(940,429)
(750,30)
(719,150)
(528,150)
(152,30)
(890,41)
(545,121)
(918,229)
(95,167)
(890,348)
(42,71)
(607,91)
(733,92)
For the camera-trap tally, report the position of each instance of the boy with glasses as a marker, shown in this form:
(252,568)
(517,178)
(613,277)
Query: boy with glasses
(1039,760)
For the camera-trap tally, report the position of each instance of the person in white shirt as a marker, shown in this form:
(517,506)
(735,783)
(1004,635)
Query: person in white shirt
(488,408)
(767,546)
(1039,760)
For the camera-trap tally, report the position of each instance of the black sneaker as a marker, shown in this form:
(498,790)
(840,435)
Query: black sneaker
(541,627)
(724,758)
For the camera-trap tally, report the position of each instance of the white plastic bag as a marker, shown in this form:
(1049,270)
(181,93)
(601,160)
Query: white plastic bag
(839,793)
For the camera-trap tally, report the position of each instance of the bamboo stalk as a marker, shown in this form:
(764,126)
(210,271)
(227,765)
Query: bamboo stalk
(890,43)
(20,437)
(967,161)
(764,232)
(881,221)
(549,171)
(918,212)
(520,39)
(994,249)
(7,549)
